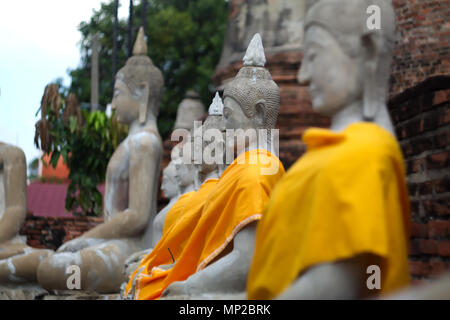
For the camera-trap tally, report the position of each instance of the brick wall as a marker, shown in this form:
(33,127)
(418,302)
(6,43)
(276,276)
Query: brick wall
(422,118)
(423,48)
(51,232)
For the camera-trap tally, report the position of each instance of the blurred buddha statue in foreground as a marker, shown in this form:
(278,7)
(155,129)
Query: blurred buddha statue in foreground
(18,262)
(340,215)
(131,186)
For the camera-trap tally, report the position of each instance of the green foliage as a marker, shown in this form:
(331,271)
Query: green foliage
(184,39)
(86,147)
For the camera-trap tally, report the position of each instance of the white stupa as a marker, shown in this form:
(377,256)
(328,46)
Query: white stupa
(216,107)
(254,56)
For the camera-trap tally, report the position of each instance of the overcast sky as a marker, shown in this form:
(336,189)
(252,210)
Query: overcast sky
(38,43)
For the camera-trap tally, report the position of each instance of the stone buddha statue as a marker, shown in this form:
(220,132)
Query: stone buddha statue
(175,182)
(339,218)
(230,215)
(131,186)
(189,110)
(179,224)
(171,188)
(18,262)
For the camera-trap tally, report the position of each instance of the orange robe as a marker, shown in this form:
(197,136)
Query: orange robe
(175,235)
(176,211)
(346,196)
(237,200)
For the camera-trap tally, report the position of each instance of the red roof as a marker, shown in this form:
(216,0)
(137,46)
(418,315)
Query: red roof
(48,199)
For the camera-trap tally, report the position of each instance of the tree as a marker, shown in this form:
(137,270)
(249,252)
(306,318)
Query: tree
(86,141)
(184,39)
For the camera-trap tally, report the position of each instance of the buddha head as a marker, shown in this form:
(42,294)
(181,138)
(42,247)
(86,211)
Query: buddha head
(252,99)
(138,86)
(170,181)
(189,110)
(212,140)
(344,62)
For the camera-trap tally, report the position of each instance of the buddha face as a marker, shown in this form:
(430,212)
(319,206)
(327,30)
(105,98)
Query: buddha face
(334,78)
(235,118)
(170,181)
(125,104)
(211,143)
(185,172)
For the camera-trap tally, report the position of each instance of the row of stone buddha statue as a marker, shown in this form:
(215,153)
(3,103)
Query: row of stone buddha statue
(229,230)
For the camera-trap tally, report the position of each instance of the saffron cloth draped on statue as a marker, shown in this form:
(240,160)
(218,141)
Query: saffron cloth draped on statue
(346,196)
(176,232)
(237,200)
(176,211)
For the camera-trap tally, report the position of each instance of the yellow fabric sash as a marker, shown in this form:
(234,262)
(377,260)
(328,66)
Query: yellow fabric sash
(346,196)
(174,237)
(176,211)
(237,200)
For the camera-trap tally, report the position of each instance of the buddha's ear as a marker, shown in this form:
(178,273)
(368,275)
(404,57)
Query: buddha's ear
(371,43)
(143,101)
(260,112)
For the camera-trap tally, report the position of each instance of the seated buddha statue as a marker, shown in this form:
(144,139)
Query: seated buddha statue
(178,186)
(338,219)
(154,271)
(132,178)
(18,261)
(217,257)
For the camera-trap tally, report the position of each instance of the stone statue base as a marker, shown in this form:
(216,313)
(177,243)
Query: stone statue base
(209,296)
(80,295)
(35,292)
(22,292)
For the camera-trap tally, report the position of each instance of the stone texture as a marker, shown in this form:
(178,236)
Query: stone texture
(22,292)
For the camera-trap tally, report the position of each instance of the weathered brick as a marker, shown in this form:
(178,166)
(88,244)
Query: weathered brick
(413,247)
(419,268)
(442,185)
(419,230)
(427,246)
(438,228)
(442,139)
(443,248)
(437,267)
(437,207)
(440,97)
(438,160)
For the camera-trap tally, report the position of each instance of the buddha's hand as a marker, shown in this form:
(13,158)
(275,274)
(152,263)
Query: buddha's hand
(79,244)
(133,261)
(166,266)
(179,288)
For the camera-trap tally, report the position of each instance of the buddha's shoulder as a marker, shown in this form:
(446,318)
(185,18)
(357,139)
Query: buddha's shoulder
(145,140)
(369,142)
(370,138)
